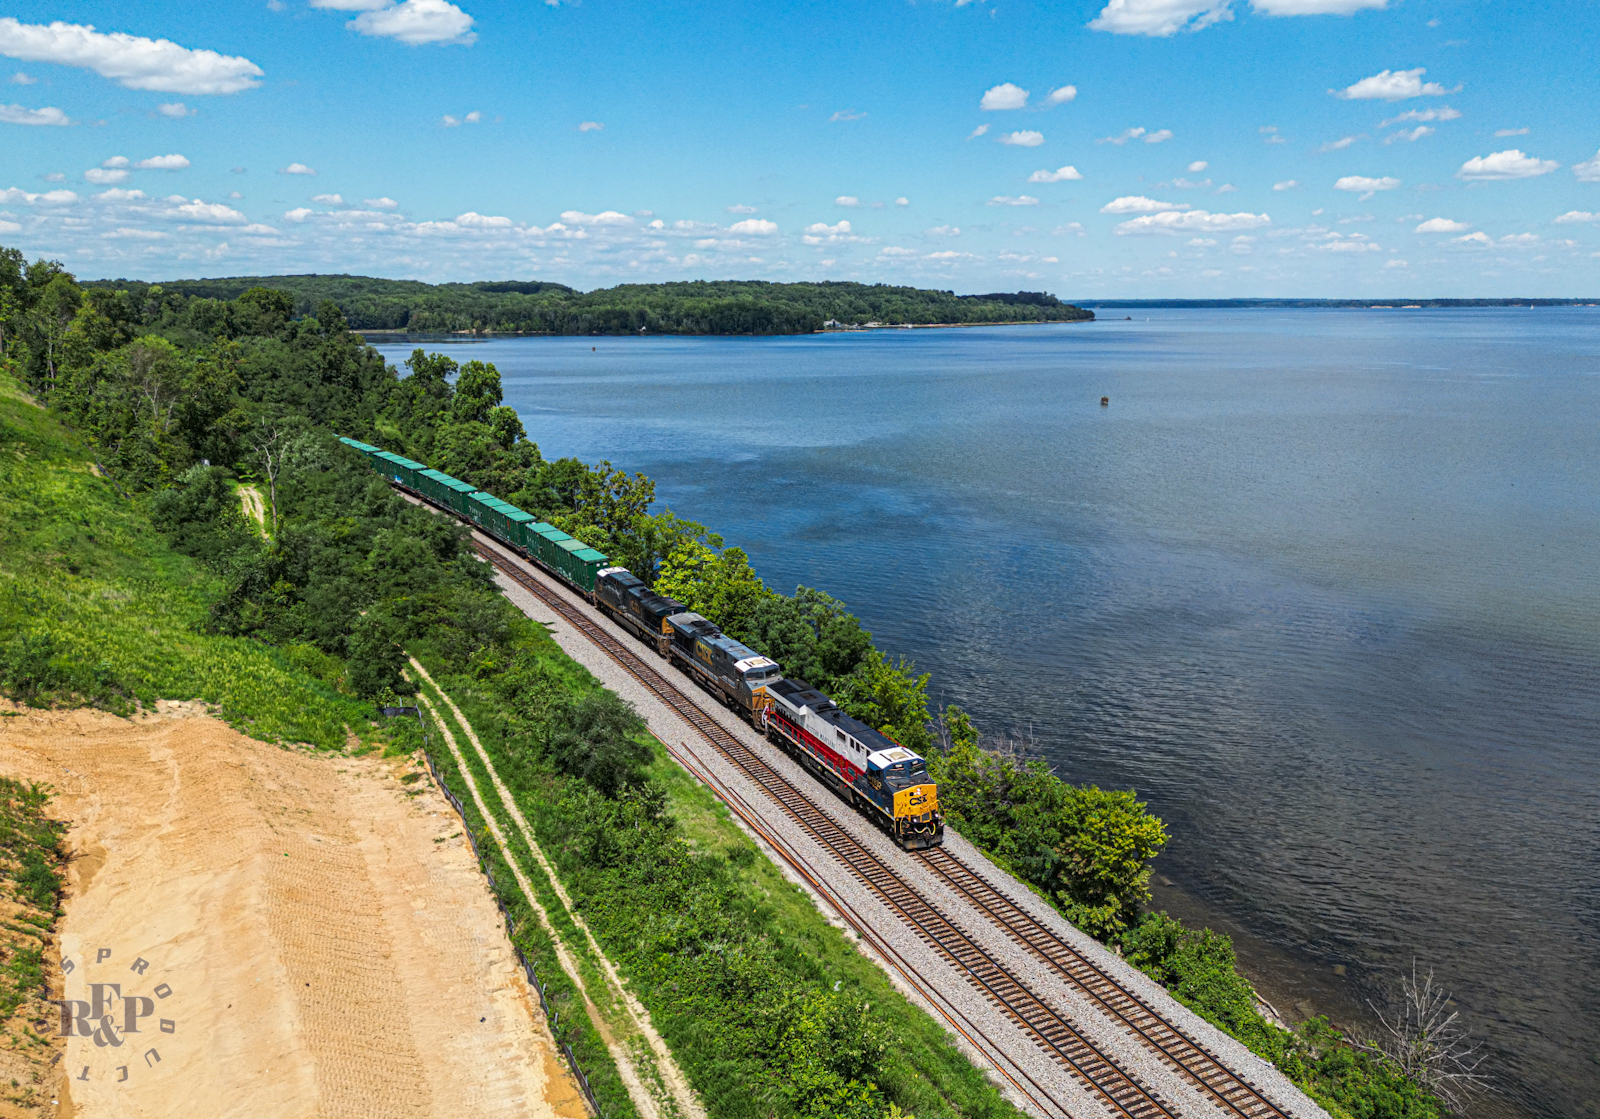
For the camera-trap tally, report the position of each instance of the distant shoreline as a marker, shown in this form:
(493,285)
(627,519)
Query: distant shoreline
(865,328)
(1355,304)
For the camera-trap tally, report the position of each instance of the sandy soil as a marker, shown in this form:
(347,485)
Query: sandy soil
(294,934)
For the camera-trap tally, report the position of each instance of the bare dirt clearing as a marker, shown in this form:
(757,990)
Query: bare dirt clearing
(324,939)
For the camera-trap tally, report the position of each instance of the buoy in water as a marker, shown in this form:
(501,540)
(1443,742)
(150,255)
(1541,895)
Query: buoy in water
(1105,401)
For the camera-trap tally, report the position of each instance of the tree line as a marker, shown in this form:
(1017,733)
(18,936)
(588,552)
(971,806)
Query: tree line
(697,307)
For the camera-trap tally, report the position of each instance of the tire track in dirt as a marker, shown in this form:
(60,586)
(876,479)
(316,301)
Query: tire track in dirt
(683,1095)
(627,1068)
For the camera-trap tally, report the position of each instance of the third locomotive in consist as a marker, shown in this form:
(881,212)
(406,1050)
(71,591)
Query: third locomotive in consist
(882,779)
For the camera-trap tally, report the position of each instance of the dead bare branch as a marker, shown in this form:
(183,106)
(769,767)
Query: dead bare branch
(1423,1036)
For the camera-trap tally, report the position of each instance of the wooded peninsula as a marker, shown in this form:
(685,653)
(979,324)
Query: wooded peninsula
(698,307)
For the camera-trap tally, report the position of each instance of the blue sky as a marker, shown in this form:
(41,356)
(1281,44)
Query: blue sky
(1143,148)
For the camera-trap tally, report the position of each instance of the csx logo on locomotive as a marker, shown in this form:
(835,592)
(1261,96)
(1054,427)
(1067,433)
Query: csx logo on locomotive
(881,778)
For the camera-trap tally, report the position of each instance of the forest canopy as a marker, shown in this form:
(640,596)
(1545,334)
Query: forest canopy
(698,307)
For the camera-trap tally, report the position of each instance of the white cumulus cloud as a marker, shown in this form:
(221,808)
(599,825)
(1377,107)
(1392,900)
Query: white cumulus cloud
(296,169)
(1338,145)
(299,213)
(1392,85)
(1472,239)
(847,200)
(1315,7)
(1365,186)
(1192,221)
(1139,204)
(1059,175)
(1573,216)
(944,231)
(1159,137)
(979,131)
(740,208)
(1502,133)
(1287,184)
(592,126)
(1443,112)
(1007,200)
(1023,139)
(132,60)
(1442,225)
(472,220)
(1198,166)
(1409,135)
(1589,170)
(163,163)
(18,114)
(1063,95)
(381,203)
(1123,138)
(19,78)
(415,22)
(1003,96)
(1159,18)
(761,227)
(175,109)
(203,213)
(103,176)
(1510,164)
(328,199)
(604,217)
(50,197)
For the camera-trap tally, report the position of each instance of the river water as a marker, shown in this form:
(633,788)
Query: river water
(1322,585)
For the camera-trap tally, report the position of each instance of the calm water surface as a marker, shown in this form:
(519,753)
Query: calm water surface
(1323,586)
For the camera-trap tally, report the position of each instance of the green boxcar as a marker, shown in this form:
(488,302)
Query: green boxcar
(520,520)
(577,563)
(478,509)
(550,547)
(393,467)
(365,448)
(454,493)
(587,563)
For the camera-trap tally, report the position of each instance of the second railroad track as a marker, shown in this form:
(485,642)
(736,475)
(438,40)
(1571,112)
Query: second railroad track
(1117,1089)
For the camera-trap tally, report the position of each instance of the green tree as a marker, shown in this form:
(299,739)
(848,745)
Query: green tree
(1107,842)
(52,314)
(601,739)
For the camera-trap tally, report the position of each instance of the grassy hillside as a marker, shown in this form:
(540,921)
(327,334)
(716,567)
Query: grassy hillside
(96,606)
(700,307)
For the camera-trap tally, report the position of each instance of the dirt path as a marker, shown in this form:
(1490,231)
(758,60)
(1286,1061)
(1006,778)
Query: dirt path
(292,935)
(682,1098)
(254,507)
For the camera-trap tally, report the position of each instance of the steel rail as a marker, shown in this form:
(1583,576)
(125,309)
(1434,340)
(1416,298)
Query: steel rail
(1178,1050)
(1052,1033)
(996,1055)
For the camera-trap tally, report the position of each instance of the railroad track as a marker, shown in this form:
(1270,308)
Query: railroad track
(1117,1089)
(1180,1052)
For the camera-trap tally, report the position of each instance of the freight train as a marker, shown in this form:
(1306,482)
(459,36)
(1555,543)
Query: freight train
(882,779)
